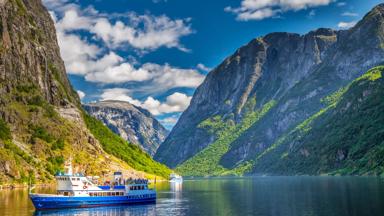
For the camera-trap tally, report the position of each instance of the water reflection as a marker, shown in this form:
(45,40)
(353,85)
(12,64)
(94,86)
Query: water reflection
(288,196)
(139,210)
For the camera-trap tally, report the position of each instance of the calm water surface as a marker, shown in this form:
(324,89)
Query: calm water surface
(288,196)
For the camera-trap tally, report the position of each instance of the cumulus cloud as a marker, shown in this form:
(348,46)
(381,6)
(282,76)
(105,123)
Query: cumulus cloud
(77,54)
(121,73)
(261,9)
(158,77)
(81,94)
(176,102)
(157,31)
(142,32)
(346,25)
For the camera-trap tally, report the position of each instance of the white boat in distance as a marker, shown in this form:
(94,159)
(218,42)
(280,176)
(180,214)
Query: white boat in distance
(175,178)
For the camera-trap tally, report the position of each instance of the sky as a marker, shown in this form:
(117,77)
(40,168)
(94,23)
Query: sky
(155,53)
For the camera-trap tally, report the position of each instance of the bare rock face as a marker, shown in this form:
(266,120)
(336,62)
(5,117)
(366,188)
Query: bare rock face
(293,70)
(29,53)
(132,123)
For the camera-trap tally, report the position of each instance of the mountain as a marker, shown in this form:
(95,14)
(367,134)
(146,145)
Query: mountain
(263,91)
(42,122)
(345,137)
(132,123)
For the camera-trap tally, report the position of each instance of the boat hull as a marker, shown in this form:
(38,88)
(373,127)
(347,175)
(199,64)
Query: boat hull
(59,202)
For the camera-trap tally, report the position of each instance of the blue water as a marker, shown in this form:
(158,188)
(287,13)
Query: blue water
(285,196)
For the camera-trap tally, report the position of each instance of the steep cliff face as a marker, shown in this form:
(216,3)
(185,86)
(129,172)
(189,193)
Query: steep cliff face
(134,124)
(41,120)
(266,88)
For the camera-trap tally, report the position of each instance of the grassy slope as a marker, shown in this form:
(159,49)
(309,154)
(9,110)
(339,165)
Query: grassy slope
(38,141)
(346,137)
(207,161)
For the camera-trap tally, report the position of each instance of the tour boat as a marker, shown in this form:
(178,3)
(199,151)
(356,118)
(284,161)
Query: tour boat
(175,178)
(78,191)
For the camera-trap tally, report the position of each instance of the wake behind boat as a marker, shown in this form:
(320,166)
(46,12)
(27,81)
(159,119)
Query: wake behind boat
(78,191)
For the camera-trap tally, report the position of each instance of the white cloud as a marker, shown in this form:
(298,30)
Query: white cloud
(261,9)
(73,21)
(346,25)
(341,4)
(177,102)
(81,94)
(159,77)
(170,77)
(119,94)
(156,32)
(350,14)
(124,72)
(76,53)
(202,67)
(142,32)
(169,121)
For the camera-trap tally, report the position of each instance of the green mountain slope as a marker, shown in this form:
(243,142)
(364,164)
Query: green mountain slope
(207,161)
(346,137)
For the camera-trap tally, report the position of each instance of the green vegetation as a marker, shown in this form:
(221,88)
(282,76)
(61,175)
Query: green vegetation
(207,161)
(5,133)
(55,164)
(41,133)
(132,154)
(344,138)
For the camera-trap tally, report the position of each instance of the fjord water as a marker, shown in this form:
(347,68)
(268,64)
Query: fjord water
(289,196)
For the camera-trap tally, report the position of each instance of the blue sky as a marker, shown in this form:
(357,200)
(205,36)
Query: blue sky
(154,53)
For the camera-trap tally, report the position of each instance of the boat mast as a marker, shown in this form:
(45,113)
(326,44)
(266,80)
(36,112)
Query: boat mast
(68,167)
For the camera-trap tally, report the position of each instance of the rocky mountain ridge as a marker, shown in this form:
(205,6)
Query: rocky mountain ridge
(132,123)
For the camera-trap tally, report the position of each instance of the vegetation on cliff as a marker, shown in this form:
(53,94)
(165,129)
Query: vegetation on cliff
(226,130)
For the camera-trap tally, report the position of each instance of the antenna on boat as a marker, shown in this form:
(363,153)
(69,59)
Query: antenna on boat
(31,187)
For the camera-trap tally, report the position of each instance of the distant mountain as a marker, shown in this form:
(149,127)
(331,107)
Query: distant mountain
(132,123)
(265,90)
(42,122)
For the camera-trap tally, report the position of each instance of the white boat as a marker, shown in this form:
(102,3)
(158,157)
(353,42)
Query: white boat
(175,178)
(76,190)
